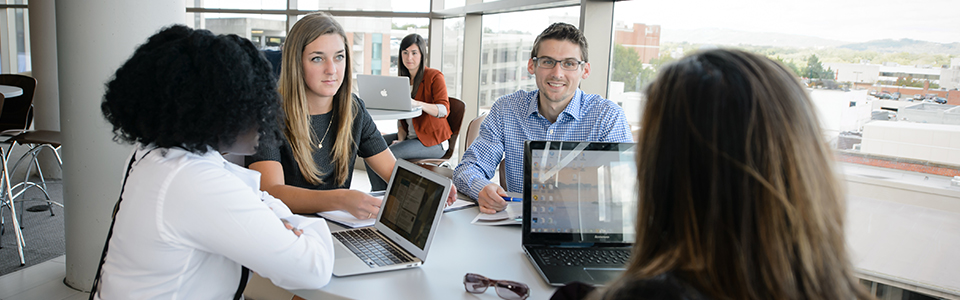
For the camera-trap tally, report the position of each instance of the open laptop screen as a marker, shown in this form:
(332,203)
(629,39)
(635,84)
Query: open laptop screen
(579,192)
(411,205)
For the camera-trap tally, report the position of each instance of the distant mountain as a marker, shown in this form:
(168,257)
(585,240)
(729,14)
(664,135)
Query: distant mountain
(905,45)
(717,36)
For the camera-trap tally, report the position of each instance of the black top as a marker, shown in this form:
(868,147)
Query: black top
(663,287)
(367,142)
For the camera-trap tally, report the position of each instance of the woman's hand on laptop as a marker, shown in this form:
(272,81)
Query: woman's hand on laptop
(361,205)
(491,199)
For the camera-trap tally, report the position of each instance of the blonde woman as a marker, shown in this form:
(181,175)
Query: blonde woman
(737,193)
(326,127)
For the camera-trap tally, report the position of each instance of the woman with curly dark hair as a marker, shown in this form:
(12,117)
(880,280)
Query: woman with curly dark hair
(187,219)
(327,127)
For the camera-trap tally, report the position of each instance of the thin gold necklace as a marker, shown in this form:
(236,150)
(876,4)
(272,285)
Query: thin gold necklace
(320,146)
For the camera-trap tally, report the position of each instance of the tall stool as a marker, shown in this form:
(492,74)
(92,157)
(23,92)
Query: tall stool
(6,200)
(37,140)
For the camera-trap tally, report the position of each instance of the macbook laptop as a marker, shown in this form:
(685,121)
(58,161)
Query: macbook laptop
(579,209)
(406,224)
(390,93)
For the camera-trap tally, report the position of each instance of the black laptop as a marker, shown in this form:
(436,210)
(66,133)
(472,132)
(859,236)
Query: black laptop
(579,209)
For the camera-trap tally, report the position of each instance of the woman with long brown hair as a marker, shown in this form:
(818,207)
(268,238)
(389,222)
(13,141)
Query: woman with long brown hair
(419,137)
(738,198)
(326,126)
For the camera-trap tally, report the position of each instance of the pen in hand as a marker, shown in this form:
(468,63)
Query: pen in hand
(511,199)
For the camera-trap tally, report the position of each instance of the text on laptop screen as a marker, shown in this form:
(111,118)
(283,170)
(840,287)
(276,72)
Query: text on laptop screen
(583,192)
(411,205)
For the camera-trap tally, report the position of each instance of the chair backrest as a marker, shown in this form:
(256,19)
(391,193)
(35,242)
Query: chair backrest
(17,112)
(473,130)
(455,119)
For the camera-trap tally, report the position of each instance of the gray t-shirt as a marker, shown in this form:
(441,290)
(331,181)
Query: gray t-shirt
(367,142)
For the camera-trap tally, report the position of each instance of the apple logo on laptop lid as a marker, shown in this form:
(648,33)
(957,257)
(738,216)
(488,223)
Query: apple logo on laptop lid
(383,92)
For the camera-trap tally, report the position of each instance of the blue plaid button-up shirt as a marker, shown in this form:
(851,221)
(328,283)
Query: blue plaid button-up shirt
(515,118)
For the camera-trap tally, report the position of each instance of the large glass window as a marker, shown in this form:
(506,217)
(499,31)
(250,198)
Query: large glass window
(366,5)
(264,30)
(15,39)
(886,94)
(506,44)
(453,3)
(452,63)
(384,34)
(234,4)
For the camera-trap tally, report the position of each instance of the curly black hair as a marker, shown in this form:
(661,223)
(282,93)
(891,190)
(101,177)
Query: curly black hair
(195,90)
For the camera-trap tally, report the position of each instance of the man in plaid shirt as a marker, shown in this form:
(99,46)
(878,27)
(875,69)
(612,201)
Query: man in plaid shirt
(558,111)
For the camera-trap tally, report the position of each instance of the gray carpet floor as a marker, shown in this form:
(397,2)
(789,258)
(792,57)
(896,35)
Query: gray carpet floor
(42,233)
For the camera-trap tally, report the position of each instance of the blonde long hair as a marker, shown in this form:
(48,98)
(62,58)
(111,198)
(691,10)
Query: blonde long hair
(292,88)
(737,192)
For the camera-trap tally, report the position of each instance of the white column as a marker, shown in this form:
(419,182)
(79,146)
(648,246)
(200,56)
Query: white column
(470,92)
(46,99)
(596,22)
(93,39)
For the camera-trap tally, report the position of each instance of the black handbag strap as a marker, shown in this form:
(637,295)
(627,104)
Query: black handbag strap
(244,272)
(103,256)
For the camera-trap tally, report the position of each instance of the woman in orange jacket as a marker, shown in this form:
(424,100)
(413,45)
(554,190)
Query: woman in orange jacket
(420,137)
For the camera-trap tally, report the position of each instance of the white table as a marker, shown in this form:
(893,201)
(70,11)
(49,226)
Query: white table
(10,91)
(458,248)
(380,114)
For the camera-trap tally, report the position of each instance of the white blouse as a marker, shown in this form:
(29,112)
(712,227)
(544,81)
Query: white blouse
(188,222)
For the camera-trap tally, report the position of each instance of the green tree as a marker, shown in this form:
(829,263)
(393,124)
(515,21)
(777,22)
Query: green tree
(789,64)
(627,67)
(664,59)
(814,68)
(828,74)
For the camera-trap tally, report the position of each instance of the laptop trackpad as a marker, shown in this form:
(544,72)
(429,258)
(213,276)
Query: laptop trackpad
(601,275)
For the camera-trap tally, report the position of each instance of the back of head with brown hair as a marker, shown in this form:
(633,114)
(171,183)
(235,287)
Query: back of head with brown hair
(737,193)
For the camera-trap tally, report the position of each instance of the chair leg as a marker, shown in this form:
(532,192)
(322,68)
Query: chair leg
(13,211)
(22,187)
(43,182)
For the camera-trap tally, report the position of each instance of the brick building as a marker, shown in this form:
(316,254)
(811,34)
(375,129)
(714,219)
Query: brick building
(645,39)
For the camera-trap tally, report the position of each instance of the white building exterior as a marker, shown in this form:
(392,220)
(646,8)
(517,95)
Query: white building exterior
(888,73)
(922,141)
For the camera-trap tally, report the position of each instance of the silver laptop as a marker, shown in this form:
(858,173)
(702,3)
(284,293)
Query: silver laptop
(385,92)
(406,225)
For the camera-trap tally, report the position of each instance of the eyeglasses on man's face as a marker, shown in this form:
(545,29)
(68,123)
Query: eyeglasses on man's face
(568,64)
(506,289)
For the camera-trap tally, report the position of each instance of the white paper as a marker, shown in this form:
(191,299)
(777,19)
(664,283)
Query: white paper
(458,205)
(512,215)
(346,219)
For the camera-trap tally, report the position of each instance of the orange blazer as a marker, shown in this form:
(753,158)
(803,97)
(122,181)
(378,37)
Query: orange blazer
(433,89)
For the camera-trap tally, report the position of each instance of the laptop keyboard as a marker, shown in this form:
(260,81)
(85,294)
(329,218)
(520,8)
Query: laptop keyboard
(371,247)
(582,257)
